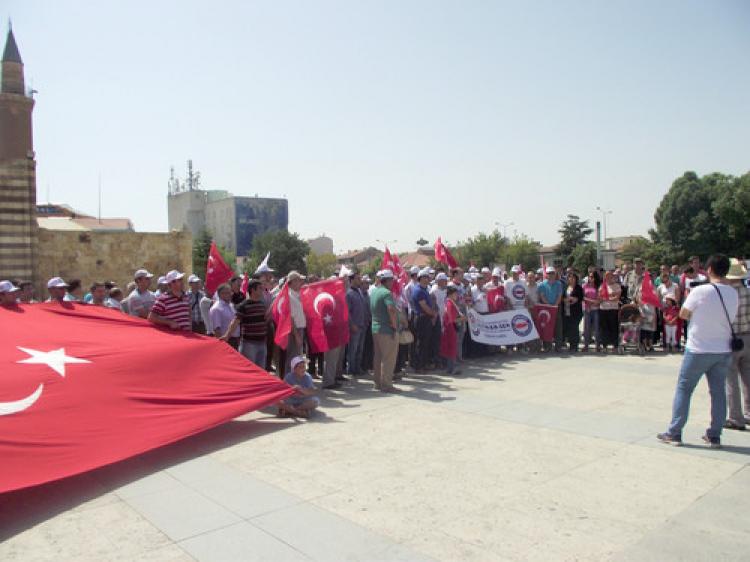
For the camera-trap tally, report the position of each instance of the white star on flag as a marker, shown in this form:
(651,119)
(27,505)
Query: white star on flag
(55,359)
(327,319)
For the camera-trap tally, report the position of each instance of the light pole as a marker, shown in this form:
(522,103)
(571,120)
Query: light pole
(504,227)
(604,222)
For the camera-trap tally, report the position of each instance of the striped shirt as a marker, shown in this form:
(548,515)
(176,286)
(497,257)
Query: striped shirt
(252,316)
(174,308)
(741,322)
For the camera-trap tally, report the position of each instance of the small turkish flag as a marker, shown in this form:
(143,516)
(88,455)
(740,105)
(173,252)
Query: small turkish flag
(648,292)
(496,299)
(217,270)
(387,262)
(245,284)
(324,304)
(281,312)
(443,255)
(545,316)
(83,386)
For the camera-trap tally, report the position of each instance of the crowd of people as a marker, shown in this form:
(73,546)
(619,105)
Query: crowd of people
(421,323)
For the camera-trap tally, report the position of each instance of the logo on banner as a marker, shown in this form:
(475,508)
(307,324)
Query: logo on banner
(476,329)
(519,292)
(520,325)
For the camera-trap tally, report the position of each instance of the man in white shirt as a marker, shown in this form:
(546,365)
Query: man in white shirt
(515,289)
(299,322)
(141,300)
(439,290)
(711,309)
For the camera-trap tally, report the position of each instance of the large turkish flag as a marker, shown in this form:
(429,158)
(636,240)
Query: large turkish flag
(83,386)
(327,315)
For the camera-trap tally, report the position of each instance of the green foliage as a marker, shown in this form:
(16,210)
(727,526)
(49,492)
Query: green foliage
(288,252)
(524,251)
(482,249)
(583,256)
(573,231)
(323,265)
(201,247)
(705,215)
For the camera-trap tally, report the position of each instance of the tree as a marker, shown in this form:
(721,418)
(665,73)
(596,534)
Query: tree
(483,249)
(322,265)
(573,231)
(201,247)
(524,251)
(288,251)
(582,257)
(705,215)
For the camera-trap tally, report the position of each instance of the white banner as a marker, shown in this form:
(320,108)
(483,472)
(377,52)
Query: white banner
(510,327)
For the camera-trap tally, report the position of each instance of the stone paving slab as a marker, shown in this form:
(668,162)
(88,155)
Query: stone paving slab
(520,458)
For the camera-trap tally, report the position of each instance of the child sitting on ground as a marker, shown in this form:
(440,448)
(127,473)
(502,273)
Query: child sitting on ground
(304,401)
(671,318)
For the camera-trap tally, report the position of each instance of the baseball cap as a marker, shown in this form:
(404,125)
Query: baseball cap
(56,283)
(8,287)
(294,274)
(296,361)
(385,274)
(441,277)
(473,269)
(162,280)
(467,276)
(496,272)
(424,272)
(485,269)
(414,270)
(432,271)
(173,275)
(194,278)
(142,273)
(366,278)
(516,269)
(550,269)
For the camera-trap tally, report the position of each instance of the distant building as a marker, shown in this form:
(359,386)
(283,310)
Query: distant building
(321,245)
(232,221)
(420,258)
(63,217)
(363,259)
(617,243)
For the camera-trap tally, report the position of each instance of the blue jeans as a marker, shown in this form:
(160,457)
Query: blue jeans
(694,365)
(255,352)
(354,352)
(591,327)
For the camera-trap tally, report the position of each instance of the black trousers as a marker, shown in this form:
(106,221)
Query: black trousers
(424,341)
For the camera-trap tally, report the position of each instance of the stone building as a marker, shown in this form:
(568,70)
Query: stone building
(18,230)
(322,245)
(233,222)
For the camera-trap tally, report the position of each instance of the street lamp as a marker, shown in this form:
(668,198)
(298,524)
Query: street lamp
(604,222)
(504,227)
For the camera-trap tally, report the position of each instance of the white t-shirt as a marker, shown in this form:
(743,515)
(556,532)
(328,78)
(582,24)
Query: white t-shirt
(515,292)
(480,299)
(709,329)
(439,295)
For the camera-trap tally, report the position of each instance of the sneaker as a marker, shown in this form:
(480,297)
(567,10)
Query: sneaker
(669,439)
(731,425)
(713,442)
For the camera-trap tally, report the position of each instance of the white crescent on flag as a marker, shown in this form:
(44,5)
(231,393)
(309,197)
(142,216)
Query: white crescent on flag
(544,317)
(323,296)
(279,303)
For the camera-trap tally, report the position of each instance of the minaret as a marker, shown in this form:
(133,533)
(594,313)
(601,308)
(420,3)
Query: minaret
(18,229)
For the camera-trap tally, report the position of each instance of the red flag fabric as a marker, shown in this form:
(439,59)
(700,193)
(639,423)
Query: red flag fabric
(217,270)
(443,255)
(496,299)
(83,386)
(648,292)
(281,312)
(545,316)
(387,260)
(245,283)
(448,337)
(324,304)
(604,291)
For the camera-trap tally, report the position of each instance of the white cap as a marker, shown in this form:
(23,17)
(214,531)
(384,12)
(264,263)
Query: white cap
(385,274)
(550,269)
(162,280)
(345,271)
(194,278)
(424,272)
(142,273)
(539,271)
(473,269)
(441,277)
(8,287)
(516,269)
(496,272)
(432,271)
(296,361)
(56,283)
(485,269)
(366,278)
(294,274)
(474,276)
(467,277)
(173,275)
(414,270)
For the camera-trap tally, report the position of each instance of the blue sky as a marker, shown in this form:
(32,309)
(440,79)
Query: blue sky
(388,120)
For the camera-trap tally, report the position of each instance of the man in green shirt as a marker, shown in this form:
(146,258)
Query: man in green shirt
(384,332)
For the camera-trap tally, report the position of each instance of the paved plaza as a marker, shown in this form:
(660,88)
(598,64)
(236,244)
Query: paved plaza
(519,458)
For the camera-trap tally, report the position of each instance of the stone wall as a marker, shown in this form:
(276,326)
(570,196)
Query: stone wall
(110,256)
(18,231)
